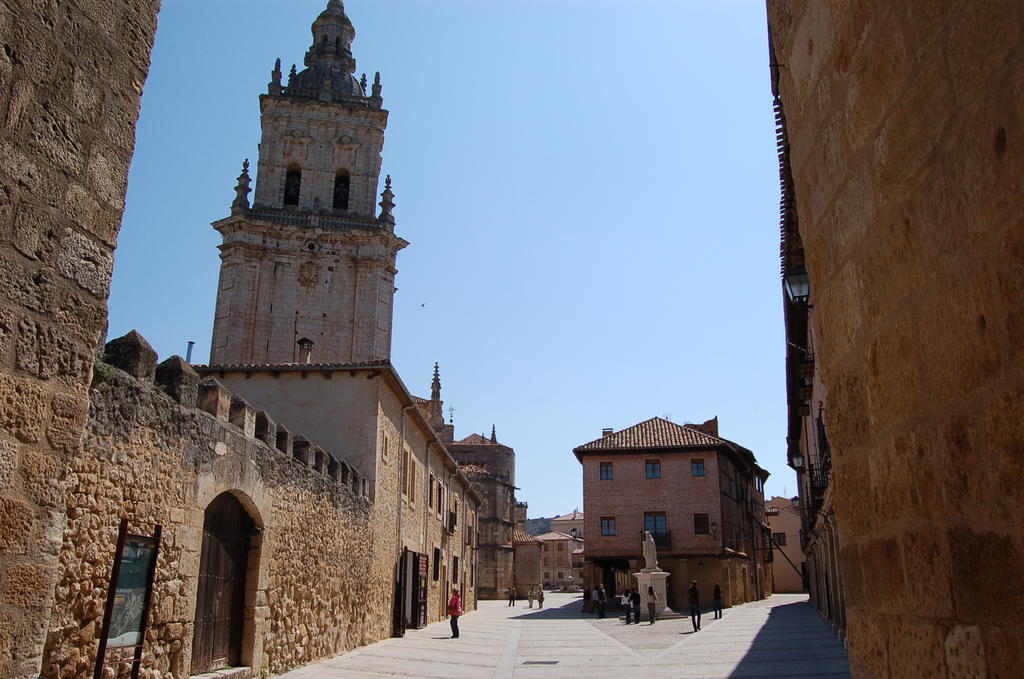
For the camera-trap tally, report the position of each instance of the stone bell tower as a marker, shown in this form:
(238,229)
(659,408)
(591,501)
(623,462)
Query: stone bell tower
(311,259)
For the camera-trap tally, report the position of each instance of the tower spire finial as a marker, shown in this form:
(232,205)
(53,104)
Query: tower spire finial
(494,434)
(242,190)
(387,204)
(435,385)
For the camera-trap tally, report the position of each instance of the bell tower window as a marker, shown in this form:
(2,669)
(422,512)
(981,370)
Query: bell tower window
(341,187)
(292,186)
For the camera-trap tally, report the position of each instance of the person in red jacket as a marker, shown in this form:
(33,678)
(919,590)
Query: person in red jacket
(455,610)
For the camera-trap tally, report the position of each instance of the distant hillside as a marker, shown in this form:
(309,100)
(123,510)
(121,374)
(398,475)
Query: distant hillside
(538,526)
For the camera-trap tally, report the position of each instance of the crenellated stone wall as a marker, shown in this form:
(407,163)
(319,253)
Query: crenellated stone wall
(151,456)
(71,75)
(906,141)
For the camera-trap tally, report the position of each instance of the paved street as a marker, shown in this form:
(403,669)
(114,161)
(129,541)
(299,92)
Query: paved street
(780,637)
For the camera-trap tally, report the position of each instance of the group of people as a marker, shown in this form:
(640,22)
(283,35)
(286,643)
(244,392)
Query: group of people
(630,603)
(694,595)
(631,600)
(535,593)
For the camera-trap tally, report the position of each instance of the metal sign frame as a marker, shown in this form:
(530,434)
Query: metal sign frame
(115,574)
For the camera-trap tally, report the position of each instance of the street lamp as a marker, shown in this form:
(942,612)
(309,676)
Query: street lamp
(797,460)
(798,285)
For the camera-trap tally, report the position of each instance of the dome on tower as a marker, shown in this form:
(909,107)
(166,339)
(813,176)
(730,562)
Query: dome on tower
(326,77)
(329,61)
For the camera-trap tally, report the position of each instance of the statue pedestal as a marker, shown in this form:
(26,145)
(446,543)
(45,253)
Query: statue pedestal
(656,579)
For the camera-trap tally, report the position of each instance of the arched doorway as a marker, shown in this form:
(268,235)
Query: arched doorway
(220,601)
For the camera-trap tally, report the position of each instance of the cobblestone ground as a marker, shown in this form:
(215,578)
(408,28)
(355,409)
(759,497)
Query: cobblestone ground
(778,637)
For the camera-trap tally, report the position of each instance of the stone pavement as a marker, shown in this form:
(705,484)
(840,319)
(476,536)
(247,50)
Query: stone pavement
(778,637)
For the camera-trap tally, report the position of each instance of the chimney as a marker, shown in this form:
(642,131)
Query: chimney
(305,350)
(710,427)
(607,431)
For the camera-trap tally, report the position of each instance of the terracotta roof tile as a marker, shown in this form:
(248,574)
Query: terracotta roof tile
(653,433)
(574,515)
(476,440)
(475,471)
(555,535)
(521,536)
(291,366)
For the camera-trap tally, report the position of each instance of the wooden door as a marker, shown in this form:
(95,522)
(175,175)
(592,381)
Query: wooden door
(220,602)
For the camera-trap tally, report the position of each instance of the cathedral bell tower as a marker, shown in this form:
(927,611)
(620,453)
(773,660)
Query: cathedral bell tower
(311,259)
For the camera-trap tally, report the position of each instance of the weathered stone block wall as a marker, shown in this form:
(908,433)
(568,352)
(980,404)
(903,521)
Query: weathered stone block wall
(528,572)
(154,461)
(498,459)
(907,148)
(71,75)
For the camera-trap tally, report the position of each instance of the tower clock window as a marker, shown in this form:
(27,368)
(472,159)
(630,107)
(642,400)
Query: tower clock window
(292,186)
(342,182)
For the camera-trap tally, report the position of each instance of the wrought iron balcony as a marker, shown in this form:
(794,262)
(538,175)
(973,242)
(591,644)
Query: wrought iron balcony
(819,477)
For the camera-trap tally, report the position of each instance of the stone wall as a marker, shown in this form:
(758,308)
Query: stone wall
(365,414)
(905,127)
(71,75)
(151,457)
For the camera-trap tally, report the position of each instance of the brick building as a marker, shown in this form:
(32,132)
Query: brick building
(558,563)
(701,497)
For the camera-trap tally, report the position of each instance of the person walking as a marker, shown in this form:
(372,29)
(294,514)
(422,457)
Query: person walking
(512,595)
(694,592)
(530,596)
(718,601)
(540,597)
(634,599)
(600,600)
(652,603)
(455,610)
(627,604)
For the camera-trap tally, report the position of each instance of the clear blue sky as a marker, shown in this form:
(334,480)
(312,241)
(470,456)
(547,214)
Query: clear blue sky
(590,189)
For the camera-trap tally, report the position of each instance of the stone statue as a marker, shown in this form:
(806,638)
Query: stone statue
(650,552)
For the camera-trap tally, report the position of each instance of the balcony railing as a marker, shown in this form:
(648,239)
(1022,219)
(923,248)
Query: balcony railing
(819,477)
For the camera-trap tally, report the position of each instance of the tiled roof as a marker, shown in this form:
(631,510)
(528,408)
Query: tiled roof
(653,433)
(476,440)
(555,535)
(520,536)
(475,471)
(292,366)
(574,515)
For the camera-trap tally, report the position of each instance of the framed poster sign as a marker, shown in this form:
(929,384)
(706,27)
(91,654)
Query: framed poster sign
(131,591)
(131,587)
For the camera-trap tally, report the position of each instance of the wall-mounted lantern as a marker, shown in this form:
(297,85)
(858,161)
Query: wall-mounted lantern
(798,285)
(797,460)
